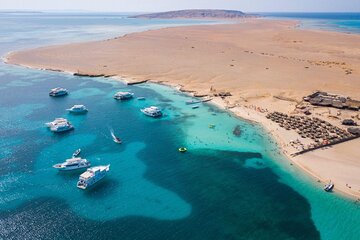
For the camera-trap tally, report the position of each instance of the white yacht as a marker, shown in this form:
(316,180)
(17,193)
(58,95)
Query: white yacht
(123,95)
(56,92)
(92,176)
(152,111)
(72,164)
(56,121)
(62,127)
(77,109)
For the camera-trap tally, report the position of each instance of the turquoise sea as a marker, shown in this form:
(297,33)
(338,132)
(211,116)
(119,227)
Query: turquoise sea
(224,187)
(342,22)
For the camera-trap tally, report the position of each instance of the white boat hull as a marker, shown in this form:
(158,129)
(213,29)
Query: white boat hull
(71,168)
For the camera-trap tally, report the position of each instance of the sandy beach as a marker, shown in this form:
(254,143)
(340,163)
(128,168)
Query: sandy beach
(265,65)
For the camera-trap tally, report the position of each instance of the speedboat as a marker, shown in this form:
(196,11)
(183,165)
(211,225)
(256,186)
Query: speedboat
(56,121)
(123,95)
(115,138)
(72,164)
(57,92)
(152,111)
(92,176)
(76,153)
(329,187)
(62,127)
(77,109)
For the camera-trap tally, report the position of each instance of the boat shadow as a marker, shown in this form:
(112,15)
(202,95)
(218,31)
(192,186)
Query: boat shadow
(102,188)
(71,174)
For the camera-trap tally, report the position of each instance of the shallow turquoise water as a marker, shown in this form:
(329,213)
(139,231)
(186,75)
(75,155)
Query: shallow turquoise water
(348,22)
(224,187)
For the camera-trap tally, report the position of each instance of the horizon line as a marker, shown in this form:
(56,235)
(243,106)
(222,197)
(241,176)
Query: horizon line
(95,11)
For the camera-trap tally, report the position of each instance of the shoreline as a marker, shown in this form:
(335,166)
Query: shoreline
(245,110)
(255,117)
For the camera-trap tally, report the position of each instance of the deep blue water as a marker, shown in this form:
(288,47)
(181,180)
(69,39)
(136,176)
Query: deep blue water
(343,22)
(224,187)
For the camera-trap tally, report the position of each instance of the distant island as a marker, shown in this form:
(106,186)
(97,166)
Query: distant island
(197,13)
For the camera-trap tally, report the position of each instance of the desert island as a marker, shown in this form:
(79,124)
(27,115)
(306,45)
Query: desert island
(302,85)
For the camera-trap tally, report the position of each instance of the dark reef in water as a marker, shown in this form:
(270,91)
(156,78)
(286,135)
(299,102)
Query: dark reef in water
(237,131)
(228,202)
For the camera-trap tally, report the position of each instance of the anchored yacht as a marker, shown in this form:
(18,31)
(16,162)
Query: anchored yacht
(77,109)
(56,121)
(73,164)
(152,111)
(57,92)
(62,127)
(92,176)
(123,95)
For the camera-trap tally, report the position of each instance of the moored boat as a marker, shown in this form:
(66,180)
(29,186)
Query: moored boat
(56,121)
(57,92)
(73,164)
(76,153)
(123,95)
(62,127)
(115,138)
(92,176)
(152,111)
(77,109)
(192,102)
(329,187)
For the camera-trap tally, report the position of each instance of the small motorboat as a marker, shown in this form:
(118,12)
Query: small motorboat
(76,153)
(182,149)
(140,98)
(196,106)
(115,138)
(329,187)
(211,126)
